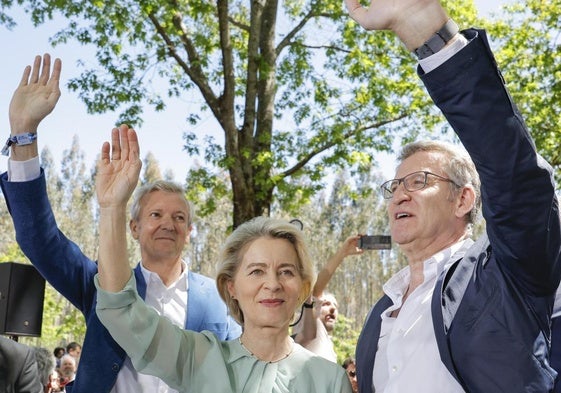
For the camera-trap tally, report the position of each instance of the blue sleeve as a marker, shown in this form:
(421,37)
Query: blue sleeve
(58,259)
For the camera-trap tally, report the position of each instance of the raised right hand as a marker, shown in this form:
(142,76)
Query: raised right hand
(118,168)
(36,95)
(413,21)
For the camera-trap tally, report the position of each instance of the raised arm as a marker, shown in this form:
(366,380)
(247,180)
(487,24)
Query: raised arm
(35,97)
(349,247)
(517,190)
(307,328)
(118,170)
(413,21)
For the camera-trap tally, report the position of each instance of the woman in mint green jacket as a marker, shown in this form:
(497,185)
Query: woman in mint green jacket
(265,274)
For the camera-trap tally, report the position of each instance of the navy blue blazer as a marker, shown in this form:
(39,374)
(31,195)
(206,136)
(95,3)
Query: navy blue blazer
(491,310)
(72,273)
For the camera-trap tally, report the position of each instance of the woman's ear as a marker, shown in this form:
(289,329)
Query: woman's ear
(231,289)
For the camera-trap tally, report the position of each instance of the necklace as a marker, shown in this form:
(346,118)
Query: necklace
(268,361)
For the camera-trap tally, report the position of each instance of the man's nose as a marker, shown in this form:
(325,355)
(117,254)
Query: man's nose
(399,194)
(167,223)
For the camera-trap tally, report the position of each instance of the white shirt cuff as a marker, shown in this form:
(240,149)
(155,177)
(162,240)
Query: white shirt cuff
(20,171)
(430,63)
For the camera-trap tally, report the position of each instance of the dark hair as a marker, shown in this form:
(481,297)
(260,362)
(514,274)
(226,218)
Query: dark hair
(73,345)
(348,361)
(58,352)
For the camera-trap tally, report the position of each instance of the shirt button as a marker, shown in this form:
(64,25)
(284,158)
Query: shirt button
(394,369)
(115,367)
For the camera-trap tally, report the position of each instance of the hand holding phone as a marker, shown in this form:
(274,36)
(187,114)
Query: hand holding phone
(375,242)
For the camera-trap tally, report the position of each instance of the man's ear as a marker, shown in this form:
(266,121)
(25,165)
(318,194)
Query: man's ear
(188,234)
(133,225)
(465,201)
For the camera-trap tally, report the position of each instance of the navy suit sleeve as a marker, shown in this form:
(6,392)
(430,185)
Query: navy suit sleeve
(58,259)
(518,192)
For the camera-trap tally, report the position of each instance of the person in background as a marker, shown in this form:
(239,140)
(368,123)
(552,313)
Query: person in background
(58,352)
(18,368)
(463,316)
(264,275)
(67,371)
(350,367)
(161,222)
(47,374)
(75,350)
(320,311)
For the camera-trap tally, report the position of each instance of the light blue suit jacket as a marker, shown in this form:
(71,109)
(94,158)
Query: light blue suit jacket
(70,272)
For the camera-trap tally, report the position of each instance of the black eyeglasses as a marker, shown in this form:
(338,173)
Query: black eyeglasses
(412,182)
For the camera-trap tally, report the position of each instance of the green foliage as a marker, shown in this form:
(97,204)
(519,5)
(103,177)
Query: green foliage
(298,89)
(12,253)
(345,336)
(528,51)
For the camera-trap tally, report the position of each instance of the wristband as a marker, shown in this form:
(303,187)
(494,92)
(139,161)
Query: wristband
(27,138)
(438,40)
(308,305)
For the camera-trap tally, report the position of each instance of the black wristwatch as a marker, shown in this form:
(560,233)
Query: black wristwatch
(438,40)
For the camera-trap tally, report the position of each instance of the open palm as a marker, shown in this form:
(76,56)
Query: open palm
(118,168)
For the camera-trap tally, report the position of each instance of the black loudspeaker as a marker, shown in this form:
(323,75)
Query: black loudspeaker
(22,291)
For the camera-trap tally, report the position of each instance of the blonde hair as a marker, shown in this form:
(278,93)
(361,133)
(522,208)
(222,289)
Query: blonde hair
(232,252)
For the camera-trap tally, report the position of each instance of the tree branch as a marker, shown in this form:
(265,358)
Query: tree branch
(300,164)
(310,15)
(228,96)
(194,70)
(253,57)
(238,24)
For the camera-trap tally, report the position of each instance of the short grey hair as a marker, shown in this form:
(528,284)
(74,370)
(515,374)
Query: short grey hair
(45,364)
(236,244)
(159,185)
(459,167)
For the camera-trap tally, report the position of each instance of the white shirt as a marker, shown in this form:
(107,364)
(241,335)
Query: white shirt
(407,359)
(168,301)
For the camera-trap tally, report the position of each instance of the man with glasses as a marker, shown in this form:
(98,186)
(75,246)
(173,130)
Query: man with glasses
(463,316)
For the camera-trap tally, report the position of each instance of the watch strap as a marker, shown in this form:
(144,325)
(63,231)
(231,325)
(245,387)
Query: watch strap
(438,40)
